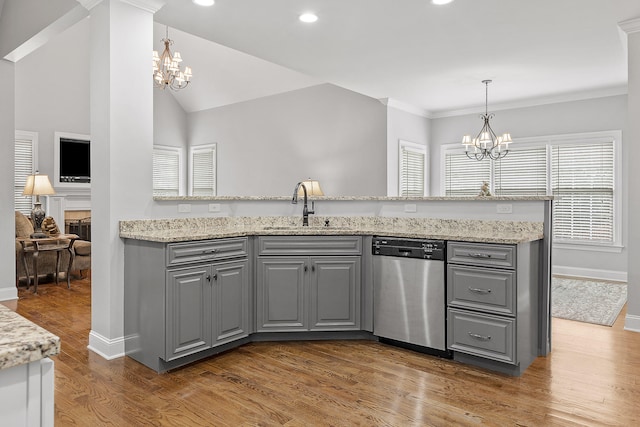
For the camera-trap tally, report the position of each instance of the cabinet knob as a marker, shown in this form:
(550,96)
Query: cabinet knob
(305,267)
(215,276)
(313,268)
(208,277)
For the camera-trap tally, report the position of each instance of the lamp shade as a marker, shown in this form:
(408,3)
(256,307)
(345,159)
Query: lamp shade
(313,188)
(38,185)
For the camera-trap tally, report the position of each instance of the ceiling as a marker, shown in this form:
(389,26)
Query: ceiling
(431,58)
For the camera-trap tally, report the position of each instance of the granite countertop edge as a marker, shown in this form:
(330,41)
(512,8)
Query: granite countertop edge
(184,235)
(22,341)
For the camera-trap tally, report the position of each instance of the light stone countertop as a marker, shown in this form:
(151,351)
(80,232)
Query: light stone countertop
(189,229)
(22,341)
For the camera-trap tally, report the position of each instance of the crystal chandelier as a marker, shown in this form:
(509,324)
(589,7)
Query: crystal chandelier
(166,68)
(486,143)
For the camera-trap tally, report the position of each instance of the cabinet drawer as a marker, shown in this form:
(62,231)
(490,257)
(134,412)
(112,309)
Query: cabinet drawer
(309,245)
(483,335)
(205,250)
(482,289)
(502,256)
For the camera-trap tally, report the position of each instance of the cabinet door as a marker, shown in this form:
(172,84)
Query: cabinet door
(230,301)
(335,293)
(280,304)
(188,308)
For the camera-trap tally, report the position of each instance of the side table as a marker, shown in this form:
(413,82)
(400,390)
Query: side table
(57,243)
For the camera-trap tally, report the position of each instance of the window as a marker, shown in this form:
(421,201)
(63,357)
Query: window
(582,180)
(167,163)
(203,170)
(523,172)
(580,171)
(25,161)
(413,160)
(464,177)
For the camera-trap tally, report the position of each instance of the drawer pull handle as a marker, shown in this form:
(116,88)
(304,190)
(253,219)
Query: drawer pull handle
(480,337)
(479,255)
(209,251)
(480,291)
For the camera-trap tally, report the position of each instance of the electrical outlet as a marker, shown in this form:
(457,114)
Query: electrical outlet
(214,207)
(410,208)
(504,209)
(184,208)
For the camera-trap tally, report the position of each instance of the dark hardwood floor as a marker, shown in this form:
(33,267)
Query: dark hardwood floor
(592,377)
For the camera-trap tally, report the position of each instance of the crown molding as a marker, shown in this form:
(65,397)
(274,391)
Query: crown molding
(630,26)
(149,5)
(534,102)
(398,105)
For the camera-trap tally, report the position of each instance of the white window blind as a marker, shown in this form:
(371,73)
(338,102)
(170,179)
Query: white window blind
(579,170)
(583,182)
(521,173)
(464,177)
(413,159)
(24,160)
(203,170)
(166,171)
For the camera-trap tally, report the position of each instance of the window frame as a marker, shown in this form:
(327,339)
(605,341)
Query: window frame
(179,151)
(586,138)
(205,147)
(404,145)
(33,137)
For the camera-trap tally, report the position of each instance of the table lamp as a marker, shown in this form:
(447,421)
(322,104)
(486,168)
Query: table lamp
(313,188)
(38,185)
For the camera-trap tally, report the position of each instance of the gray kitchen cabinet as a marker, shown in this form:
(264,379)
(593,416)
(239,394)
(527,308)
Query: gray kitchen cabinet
(188,310)
(185,301)
(309,283)
(492,298)
(230,283)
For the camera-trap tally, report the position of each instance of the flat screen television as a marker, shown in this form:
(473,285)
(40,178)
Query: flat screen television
(75,160)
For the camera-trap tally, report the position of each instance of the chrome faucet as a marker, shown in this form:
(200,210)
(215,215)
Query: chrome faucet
(305,209)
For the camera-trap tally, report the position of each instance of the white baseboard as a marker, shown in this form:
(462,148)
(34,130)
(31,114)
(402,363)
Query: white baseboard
(8,294)
(590,273)
(632,323)
(105,347)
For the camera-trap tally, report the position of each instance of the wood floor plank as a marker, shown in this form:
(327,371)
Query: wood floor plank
(592,377)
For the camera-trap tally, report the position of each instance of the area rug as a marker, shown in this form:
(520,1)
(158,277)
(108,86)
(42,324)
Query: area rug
(587,300)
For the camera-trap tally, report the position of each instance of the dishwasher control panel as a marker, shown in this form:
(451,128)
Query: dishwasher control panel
(409,248)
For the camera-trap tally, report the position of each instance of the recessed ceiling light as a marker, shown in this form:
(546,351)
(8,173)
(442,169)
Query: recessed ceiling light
(308,17)
(441,2)
(204,2)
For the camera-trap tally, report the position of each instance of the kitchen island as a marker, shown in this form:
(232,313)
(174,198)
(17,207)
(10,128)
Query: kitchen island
(26,372)
(197,286)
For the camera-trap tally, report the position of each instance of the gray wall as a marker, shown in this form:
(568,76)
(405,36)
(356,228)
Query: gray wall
(56,99)
(325,132)
(405,126)
(600,114)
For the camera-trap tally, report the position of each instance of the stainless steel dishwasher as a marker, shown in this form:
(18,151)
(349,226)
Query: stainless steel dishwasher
(409,292)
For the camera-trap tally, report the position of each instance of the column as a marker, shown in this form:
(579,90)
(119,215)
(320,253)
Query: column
(121,152)
(632,144)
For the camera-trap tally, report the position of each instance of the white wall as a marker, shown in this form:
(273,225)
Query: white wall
(405,126)
(56,99)
(609,113)
(7,144)
(267,145)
